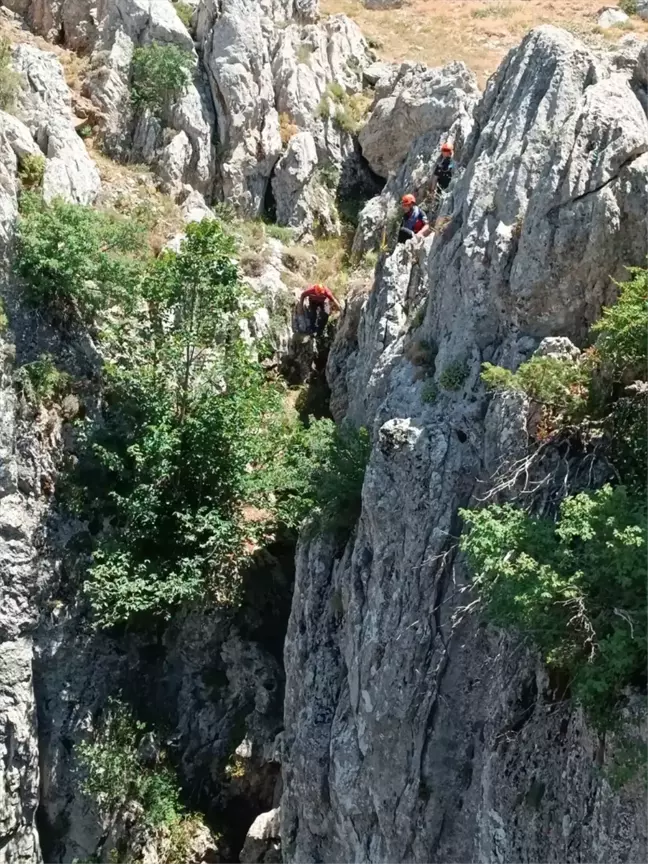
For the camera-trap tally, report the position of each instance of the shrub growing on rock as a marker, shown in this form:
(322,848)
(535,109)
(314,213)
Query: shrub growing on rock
(159,74)
(9,79)
(575,586)
(114,772)
(76,258)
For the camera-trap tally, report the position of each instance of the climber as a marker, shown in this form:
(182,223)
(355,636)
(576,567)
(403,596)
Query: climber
(316,301)
(443,169)
(415,222)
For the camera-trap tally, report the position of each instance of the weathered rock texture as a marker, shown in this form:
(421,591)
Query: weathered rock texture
(415,110)
(411,732)
(44,105)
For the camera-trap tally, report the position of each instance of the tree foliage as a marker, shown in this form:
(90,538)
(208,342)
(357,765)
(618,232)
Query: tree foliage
(159,74)
(76,258)
(575,586)
(193,434)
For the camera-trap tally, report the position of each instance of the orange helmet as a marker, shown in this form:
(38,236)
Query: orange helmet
(446,148)
(408,200)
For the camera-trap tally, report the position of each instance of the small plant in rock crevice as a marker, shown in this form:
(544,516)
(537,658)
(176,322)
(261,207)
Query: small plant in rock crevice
(9,79)
(31,170)
(184,12)
(42,382)
(454,375)
(429,392)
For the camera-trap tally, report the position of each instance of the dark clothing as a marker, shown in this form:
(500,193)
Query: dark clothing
(317,315)
(443,171)
(414,220)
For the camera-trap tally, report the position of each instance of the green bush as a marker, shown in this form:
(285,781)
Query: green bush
(575,587)
(114,774)
(184,12)
(159,74)
(31,170)
(76,257)
(9,80)
(628,6)
(319,475)
(454,375)
(555,382)
(430,392)
(42,382)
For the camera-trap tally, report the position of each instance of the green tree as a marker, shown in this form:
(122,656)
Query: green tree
(159,74)
(171,463)
(74,258)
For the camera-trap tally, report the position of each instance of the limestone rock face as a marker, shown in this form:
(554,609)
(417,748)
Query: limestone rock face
(269,70)
(412,733)
(415,110)
(416,101)
(45,107)
(180,143)
(263,841)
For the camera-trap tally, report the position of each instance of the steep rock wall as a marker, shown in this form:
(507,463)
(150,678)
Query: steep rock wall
(413,733)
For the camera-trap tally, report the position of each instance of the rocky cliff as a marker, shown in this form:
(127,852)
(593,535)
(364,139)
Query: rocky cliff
(411,731)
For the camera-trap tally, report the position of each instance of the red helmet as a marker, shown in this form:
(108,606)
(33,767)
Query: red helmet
(446,148)
(408,200)
(319,289)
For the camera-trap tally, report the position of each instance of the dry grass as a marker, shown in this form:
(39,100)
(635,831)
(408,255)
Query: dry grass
(287,129)
(131,190)
(480,32)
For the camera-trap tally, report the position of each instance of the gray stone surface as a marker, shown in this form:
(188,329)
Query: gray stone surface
(418,100)
(612,17)
(44,105)
(413,733)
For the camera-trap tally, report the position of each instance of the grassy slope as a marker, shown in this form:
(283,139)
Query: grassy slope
(480,32)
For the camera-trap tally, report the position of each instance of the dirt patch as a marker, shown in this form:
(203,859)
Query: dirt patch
(479,32)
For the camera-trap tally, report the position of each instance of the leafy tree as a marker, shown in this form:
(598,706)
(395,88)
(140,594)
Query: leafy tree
(76,258)
(575,586)
(171,463)
(159,74)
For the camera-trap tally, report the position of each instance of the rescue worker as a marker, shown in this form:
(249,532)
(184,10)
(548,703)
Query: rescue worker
(317,301)
(414,220)
(443,170)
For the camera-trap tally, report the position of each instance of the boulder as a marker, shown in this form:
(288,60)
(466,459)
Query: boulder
(612,17)
(263,840)
(419,101)
(642,9)
(301,197)
(558,347)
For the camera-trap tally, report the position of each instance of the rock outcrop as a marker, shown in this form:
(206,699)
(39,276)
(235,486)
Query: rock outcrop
(412,733)
(415,110)
(44,105)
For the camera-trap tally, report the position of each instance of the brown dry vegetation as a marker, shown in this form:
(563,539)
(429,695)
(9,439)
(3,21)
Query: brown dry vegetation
(480,32)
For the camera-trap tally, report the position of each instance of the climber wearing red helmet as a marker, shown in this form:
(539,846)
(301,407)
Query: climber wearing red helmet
(414,220)
(443,169)
(316,301)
